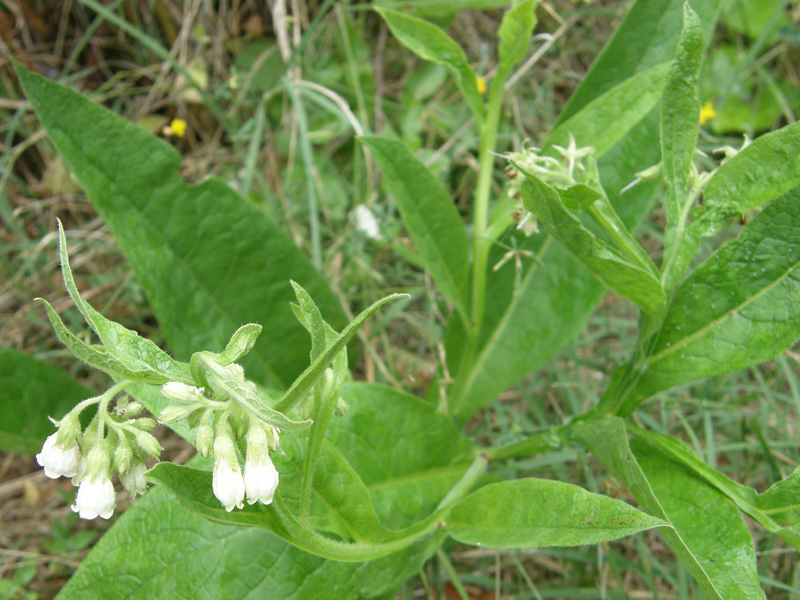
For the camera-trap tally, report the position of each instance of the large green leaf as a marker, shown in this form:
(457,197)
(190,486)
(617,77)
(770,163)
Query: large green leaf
(429,215)
(429,42)
(709,521)
(531,513)
(526,323)
(31,391)
(738,308)
(724,568)
(159,550)
(208,260)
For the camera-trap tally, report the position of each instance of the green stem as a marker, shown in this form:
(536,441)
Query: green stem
(533,445)
(452,574)
(480,218)
(308,165)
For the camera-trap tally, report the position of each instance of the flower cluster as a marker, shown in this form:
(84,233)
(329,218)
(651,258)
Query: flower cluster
(563,172)
(224,427)
(92,456)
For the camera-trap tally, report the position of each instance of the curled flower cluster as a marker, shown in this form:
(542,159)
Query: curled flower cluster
(92,456)
(223,425)
(562,172)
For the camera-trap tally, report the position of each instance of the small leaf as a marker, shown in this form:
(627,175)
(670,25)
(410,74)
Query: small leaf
(579,197)
(765,170)
(314,371)
(431,43)
(603,261)
(515,33)
(533,513)
(241,342)
(134,353)
(429,215)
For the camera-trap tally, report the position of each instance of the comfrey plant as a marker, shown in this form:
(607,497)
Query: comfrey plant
(229,415)
(365,499)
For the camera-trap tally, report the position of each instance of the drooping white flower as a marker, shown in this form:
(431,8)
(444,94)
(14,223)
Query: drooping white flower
(57,460)
(260,479)
(227,483)
(133,479)
(260,475)
(96,498)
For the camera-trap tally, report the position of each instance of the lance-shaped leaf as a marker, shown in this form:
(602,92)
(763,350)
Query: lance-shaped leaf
(680,123)
(314,371)
(772,509)
(532,513)
(738,308)
(429,215)
(431,43)
(603,261)
(135,353)
(207,259)
(715,546)
(101,359)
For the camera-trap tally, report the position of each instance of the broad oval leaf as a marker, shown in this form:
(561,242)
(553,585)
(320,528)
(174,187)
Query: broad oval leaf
(195,249)
(738,308)
(515,33)
(532,513)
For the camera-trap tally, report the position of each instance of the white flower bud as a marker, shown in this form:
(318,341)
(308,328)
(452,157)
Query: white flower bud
(365,221)
(228,484)
(96,498)
(148,443)
(58,460)
(176,412)
(180,392)
(133,479)
(205,435)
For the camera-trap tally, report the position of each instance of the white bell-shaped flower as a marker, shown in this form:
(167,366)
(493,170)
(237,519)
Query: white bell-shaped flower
(260,479)
(260,475)
(57,460)
(227,482)
(96,497)
(133,479)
